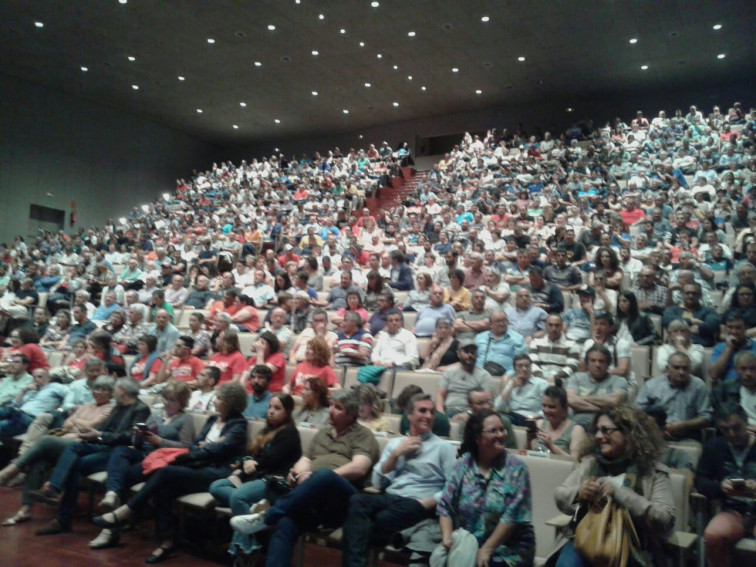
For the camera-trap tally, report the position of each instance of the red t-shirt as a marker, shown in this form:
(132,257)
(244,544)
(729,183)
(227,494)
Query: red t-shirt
(253,323)
(185,370)
(36,356)
(278,360)
(228,364)
(305,370)
(137,371)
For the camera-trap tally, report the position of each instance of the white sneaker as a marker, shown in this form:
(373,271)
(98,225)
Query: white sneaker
(249,524)
(110,502)
(260,507)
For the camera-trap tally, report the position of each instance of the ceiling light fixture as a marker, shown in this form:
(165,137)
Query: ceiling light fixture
(485,19)
(122,1)
(277,121)
(236,126)
(314,52)
(569,110)
(721,56)
(411,34)
(135,87)
(243,104)
(409,77)
(396,67)
(39,24)
(362,44)
(379,56)
(132,58)
(258,64)
(368,85)
(181,78)
(271,27)
(423,89)
(345,111)
(321,17)
(375,4)
(342,30)
(521,59)
(361,136)
(479,91)
(84,69)
(210,40)
(644,67)
(634,40)
(314,93)
(199,111)
(455,70)
(395,103)
(717,27)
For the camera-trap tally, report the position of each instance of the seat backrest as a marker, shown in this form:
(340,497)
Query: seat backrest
(546,475)
(199,420)
(428,381)
(521,436)
(681,482)
(246,340)
(306,436)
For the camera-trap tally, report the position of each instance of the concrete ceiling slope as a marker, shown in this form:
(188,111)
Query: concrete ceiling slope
(572,49)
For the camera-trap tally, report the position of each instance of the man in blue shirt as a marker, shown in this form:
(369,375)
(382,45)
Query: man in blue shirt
(411,472)
(41,396)
(500,344)
(723,355)
(259,400)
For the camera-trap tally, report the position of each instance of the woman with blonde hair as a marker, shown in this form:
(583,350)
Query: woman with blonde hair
(370,412)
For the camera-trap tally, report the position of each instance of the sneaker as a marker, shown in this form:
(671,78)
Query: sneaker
(249,524)
(260,507)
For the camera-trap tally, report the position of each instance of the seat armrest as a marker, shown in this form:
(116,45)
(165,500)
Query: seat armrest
(560,521)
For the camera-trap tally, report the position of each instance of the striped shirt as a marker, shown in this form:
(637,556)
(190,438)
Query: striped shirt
(554,359)
(359,340)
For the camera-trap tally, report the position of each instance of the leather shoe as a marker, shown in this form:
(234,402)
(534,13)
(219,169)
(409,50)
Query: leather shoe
(106,539)
(160,554)
(53,528)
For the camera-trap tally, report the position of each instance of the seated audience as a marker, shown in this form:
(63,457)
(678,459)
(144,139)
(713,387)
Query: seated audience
(703,321)
(554,356)
(498,347)
(314,408)
(395,346)
(441,351)
(590,392)
(556,433)
(458,381)
(521,393)
(723,355)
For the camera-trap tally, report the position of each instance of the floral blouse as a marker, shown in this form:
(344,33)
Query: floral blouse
(478,504)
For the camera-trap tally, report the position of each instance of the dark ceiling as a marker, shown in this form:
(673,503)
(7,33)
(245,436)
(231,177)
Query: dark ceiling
(572,49)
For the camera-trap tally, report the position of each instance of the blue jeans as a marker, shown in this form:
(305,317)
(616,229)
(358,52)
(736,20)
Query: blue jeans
(323,499)
(13,421)
(239,500)
(569,557)
(124,469)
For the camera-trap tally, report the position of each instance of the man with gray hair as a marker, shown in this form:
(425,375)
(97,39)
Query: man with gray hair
(136,326)
(167,334)
(335,467)
(90,455)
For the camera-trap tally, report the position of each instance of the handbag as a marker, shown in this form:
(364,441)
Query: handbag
(606,537)
(493,368)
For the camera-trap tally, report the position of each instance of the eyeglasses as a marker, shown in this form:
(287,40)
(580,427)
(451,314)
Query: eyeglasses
(606,431)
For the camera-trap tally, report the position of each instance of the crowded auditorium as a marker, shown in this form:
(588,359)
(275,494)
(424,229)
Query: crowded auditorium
(516,339)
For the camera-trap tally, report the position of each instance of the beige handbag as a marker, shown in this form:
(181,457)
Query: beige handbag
(606,537)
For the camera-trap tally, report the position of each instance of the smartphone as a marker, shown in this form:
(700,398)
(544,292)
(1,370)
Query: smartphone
(141,427)
(738,483)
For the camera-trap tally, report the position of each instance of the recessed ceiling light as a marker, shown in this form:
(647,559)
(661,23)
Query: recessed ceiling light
(717,27)
(360,136)
(423,88)
(277,121)
(314,52)
(721,56)
(236,126)
(375,4)
(409,77)
(485,19)
(199,111)
(455,70)
(634,40)
(122,1)
(345,111)
(132,58)
(271,27)
(39,24)
(569,110)
(395,103)
(411,34)
(644,67)
(243,104)
(379,56)
(362,44)
(135,87)
(368,85)
(321,17)
(210,40)
(479,91)
(84,69)
(314,93)
(181,78)
(396,67)
(521,59)
(258,64)
(342,30)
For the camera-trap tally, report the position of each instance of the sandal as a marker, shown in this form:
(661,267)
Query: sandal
(106,522)
(17,518)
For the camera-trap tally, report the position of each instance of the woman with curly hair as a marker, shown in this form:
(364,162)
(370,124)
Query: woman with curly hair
(317,357)
(621,460)
(607,260)
(370,412)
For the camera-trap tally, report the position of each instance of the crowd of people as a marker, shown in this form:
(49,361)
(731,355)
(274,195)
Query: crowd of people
(521,270)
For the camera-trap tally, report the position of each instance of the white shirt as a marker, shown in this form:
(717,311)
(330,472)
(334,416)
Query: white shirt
(399,349)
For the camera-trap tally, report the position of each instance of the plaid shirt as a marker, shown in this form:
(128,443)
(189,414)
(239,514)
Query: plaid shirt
(656,298)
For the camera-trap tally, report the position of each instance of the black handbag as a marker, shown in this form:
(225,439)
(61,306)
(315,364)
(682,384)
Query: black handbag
(493,368)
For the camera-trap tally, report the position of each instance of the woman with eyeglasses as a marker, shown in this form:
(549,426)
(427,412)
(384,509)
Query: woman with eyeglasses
(620,460)
(170,427)
(488,497)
